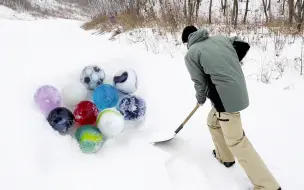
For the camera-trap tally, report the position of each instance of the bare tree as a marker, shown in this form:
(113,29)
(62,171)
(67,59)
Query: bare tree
(210,11)
(224,6)
(246,11)
(265,9)
(185,9)
(299,7)
(198,3)
(269,10)
(283,10)
(291,10)
(189,7)
(302,44)
(235,11)
(189,16)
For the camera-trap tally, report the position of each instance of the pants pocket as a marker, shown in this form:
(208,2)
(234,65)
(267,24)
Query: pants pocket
(225,120)
(222,117)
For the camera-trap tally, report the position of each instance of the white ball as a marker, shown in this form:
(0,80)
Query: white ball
(73,93)
(110,122)
(126,81)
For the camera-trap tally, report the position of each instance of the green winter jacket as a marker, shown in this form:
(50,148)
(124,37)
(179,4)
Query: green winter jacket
(214,66)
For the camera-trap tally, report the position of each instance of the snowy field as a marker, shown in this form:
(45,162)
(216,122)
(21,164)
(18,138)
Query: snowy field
(34,156)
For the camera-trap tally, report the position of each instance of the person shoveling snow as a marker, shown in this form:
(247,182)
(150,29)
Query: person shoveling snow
(214,66)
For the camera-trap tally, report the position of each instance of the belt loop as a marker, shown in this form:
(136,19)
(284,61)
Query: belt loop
(219,114)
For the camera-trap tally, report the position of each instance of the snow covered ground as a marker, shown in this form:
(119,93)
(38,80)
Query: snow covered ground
(34,156)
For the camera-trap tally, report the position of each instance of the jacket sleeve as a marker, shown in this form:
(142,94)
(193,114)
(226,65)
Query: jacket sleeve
(241,47)
(198,77)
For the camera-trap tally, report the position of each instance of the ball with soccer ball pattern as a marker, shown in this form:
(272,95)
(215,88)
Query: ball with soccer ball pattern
(92,76)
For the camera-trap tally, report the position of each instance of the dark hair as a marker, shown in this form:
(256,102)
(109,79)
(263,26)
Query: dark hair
(187,31)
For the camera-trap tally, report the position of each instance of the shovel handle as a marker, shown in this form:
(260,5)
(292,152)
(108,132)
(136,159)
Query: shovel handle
(188,117)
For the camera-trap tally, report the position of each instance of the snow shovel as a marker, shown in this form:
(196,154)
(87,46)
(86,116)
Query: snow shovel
(171,136)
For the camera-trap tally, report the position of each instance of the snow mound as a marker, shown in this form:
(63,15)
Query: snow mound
(7,13)
(63,9)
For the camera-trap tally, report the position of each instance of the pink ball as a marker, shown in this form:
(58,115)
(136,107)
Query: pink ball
(47,98)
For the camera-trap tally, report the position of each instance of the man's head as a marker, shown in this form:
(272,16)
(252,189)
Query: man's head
(187,31)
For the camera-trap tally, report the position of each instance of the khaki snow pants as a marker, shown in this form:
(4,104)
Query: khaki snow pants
(230,141)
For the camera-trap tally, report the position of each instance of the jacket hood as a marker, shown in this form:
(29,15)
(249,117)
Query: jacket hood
(199,35)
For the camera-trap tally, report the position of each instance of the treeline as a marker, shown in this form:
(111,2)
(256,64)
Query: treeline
(287,13)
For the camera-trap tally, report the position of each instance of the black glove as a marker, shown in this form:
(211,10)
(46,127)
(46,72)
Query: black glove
(241,48)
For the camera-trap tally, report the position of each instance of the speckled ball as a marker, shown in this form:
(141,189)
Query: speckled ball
(132,107)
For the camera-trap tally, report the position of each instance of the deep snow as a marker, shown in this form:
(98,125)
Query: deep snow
(35,53)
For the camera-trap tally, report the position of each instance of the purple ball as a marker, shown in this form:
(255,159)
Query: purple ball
(132,107)
(47,98)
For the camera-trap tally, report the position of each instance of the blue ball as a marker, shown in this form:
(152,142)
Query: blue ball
(105,96)
(132,107)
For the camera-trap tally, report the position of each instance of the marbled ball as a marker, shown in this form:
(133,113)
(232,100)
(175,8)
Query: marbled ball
(125,81)
(89,138)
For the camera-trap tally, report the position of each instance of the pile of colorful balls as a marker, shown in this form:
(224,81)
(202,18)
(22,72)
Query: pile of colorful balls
(95,109)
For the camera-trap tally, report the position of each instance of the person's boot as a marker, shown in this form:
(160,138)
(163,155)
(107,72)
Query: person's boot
(227,164)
